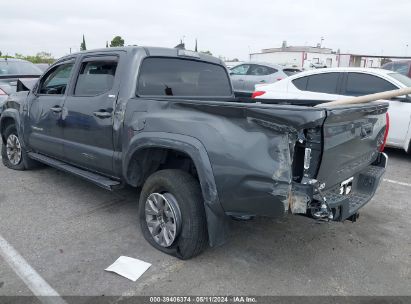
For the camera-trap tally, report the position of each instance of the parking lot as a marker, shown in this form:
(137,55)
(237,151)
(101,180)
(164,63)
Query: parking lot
(69,231)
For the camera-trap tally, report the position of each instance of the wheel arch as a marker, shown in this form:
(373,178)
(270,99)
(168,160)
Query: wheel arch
(217,223)
(10,116)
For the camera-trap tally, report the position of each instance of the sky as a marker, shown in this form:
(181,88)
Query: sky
(227,28)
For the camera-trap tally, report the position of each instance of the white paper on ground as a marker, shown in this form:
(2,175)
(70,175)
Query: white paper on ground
(128,267)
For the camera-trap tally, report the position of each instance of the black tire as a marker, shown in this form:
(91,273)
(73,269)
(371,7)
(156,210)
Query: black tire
(193,237)
(25,162)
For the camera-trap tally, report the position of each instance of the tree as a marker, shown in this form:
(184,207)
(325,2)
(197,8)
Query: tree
(117,41)
(42,57)
(106,44)
(83,46)
(1,53)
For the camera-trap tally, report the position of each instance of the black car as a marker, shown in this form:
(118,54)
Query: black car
(12,69)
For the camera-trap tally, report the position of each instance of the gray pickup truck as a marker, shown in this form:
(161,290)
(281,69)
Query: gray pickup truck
(166,120)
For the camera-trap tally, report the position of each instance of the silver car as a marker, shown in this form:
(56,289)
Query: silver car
(246,75)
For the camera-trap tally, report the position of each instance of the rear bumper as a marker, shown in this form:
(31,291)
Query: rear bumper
(364,186)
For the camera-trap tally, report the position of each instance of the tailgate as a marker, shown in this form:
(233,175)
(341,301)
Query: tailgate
(352,137)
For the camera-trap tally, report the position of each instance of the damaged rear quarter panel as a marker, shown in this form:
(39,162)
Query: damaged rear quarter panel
(250,146)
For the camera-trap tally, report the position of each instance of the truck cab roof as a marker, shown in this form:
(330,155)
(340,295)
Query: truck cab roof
(153,52)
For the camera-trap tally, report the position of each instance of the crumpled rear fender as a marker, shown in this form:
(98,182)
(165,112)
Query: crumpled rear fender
(216,219)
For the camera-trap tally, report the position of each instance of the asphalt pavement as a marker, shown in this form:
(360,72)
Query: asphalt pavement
(69,231)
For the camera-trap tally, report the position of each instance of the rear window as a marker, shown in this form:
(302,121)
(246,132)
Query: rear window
(8,67)
(301,83)
(96,77)
(182,77)
(399,67)
(290,72)
(322,83)
(261,70)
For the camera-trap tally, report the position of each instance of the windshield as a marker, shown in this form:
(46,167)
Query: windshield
(401,78)
(9,67)
(182,77)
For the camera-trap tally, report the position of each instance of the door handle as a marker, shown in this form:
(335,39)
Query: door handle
(56,109)
(262,80)
(102,114)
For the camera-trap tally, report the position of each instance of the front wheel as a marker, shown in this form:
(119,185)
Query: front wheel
(12,152)
(172,216)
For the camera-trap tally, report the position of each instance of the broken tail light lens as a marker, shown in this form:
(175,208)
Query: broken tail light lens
(387,128)
(257,93)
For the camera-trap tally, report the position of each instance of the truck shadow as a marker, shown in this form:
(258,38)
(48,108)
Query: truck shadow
(399,154)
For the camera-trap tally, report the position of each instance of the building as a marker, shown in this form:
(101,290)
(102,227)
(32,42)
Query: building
(366,61)
(308,57)
(297,56)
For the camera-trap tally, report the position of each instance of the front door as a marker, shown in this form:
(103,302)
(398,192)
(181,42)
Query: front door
(45,104)
(88,114)
(238,75)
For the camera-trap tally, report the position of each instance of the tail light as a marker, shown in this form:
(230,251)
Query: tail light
(257,93)
(387,128)
(2,92)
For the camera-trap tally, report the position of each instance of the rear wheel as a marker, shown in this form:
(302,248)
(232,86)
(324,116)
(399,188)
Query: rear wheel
(12,152)
(172,215)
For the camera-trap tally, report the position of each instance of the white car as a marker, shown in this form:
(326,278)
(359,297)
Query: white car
(335,83)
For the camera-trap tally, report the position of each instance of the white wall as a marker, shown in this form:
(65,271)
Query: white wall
(369,62)
(344,60)
(296,58)
(284,58)
(329,60)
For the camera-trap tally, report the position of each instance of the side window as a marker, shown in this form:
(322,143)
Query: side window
(301,83)
(363,84)
(401,67)
(323,83)
(260,70)
(56,80)
(240,70)
(95,77)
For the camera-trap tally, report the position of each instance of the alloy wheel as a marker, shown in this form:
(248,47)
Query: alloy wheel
(13,149)
(163,218)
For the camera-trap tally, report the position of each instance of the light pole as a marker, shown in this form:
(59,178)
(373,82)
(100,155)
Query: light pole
(321,44)
(406,50)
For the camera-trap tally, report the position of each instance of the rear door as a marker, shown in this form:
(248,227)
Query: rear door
(352,137)
(323,86)
(45,105)
(259,74)
(88,113)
